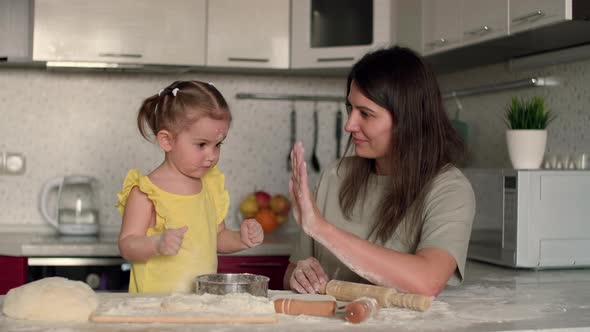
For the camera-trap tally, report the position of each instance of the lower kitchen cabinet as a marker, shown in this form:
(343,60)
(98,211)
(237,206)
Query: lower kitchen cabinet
(13,272)
(271,266)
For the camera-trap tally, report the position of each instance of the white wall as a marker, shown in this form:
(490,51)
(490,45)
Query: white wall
(85,123)
(568,134)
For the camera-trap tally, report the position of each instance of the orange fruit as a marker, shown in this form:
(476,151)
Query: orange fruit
(267,219)
(281,219)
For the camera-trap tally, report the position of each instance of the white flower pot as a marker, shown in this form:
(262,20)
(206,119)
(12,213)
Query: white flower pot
(526,147)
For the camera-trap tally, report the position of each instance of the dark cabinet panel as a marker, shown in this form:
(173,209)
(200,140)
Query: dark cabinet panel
(271,266)
(13,272)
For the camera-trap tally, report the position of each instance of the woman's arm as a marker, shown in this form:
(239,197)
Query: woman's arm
(134,244)
(425,272)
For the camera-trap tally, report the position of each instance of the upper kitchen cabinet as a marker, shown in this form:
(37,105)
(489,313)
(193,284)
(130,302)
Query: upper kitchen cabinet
(484,20)
(120,31)
(442,25)
(336,33)
(530,14)
(248,33)
(15,30)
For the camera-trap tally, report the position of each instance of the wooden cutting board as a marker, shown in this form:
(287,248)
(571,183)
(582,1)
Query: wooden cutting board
(127,308)
(183,319)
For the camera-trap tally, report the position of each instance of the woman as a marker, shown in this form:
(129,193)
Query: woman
(398,213)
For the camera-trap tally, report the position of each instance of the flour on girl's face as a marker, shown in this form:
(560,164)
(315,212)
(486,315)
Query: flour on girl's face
(197,148)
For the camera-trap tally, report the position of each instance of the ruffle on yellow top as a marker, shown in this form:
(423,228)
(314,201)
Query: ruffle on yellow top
(214,181)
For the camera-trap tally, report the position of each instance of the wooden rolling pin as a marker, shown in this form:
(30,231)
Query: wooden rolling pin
(387,297)
(302,307)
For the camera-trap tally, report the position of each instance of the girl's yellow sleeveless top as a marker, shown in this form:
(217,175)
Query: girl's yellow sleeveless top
(202,213)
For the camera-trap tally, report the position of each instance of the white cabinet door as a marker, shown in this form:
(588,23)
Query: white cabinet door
(248,33)
(484,20)
(441,25)
(320,34)
(529,14)
(122,31)
(15,30)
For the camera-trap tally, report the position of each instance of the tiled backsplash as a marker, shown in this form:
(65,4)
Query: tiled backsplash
(85,123)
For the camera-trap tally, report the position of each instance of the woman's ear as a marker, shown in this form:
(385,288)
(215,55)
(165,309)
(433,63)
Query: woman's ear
(165,140)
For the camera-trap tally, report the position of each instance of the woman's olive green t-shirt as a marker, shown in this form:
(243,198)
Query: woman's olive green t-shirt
(448,216)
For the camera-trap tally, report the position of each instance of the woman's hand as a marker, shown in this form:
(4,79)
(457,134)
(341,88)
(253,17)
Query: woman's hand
(308,276)
(305,211)
(251,233)
(169,242)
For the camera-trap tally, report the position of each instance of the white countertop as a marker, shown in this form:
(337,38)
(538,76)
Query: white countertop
(492,299)
(52,245)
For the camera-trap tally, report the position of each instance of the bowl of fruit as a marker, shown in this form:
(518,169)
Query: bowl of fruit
(269,210)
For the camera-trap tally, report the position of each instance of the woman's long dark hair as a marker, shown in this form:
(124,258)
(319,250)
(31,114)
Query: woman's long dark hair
(423,141)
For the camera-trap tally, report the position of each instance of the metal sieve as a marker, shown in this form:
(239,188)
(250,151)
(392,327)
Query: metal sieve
(229,283)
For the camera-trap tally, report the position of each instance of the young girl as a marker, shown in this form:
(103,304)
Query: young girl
(173,218)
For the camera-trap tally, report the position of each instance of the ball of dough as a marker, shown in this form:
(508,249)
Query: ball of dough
(51,299)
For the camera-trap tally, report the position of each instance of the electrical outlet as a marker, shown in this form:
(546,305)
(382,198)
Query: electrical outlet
(12,163)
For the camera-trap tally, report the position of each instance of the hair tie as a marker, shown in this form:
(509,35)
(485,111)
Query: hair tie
(174,91)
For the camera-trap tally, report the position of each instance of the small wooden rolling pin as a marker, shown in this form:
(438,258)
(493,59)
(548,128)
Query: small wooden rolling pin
(387,297)
(302,307)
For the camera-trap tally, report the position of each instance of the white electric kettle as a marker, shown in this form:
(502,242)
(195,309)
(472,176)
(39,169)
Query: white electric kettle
(77,205)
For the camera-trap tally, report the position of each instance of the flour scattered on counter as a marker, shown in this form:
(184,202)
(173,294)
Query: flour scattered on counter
(219,304)
(192,304)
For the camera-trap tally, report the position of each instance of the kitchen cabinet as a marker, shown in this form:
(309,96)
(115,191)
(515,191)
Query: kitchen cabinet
(259,41)
(13,272)
(484,20)
(120,31)
(336,33)
(530,14)
(271,266)
(15,30)
(441,25)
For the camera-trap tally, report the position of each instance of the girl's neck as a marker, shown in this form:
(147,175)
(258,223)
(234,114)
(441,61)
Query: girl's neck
(171,180)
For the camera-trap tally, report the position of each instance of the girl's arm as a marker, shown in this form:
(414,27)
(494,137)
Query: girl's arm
(139,215)
(249,235)
(425,272)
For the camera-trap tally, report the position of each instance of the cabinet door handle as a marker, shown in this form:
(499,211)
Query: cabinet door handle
(262,264)
(335,59)
(483,30)
(537,14)
(248,59)
(438,43)
(119,55)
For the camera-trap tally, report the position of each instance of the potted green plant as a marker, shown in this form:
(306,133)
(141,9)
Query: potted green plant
(526,137)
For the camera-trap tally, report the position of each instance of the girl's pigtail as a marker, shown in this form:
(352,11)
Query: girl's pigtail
(148,117)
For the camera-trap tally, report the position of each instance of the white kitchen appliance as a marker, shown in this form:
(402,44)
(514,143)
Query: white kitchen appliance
(77,206)
(531,218)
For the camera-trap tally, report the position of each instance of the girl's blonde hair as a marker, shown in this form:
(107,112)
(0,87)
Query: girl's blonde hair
(179,105)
